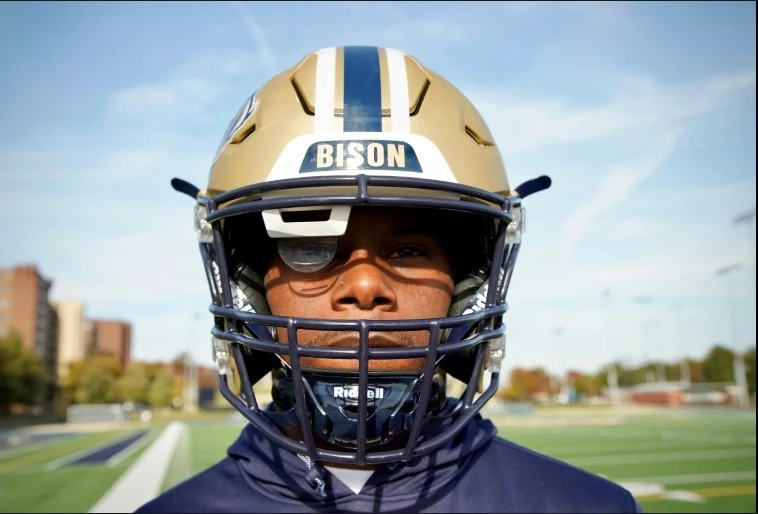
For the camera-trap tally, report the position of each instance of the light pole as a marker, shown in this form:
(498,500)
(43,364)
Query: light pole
(739,363)
(563,395)
(684,365)
(612,371)
(650,374)
(191,370)
(747,218)
(642,301)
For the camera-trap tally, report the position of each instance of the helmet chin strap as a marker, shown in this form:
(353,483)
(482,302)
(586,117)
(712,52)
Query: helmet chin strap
(332,398)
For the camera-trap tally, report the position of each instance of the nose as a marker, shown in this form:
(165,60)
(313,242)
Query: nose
(363,285)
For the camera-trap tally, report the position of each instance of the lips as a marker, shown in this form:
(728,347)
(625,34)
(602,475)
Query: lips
(340,340)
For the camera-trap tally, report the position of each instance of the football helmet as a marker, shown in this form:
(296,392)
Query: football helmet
(347,128)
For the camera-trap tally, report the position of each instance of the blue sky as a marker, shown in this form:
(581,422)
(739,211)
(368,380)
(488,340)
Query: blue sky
(643,113)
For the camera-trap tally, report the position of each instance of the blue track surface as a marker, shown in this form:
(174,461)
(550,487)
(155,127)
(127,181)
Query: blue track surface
(101,455)
(19,438)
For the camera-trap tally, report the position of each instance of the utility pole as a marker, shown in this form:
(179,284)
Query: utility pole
(612,371)
(747,218)
(645,339)
(684,365)
(739,362)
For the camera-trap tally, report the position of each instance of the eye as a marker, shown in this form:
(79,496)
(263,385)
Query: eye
(407,251)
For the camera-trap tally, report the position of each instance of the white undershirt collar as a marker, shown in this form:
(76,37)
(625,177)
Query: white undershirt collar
(355,479)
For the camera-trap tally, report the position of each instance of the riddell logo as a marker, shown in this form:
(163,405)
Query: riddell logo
(351,392)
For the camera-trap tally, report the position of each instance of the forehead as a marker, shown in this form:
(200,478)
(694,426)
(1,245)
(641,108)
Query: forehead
(392,219)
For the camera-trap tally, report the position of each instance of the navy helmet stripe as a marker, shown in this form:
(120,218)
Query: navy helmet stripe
(363,90)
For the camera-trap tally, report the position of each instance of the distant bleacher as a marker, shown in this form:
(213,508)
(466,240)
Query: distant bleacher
(103,412)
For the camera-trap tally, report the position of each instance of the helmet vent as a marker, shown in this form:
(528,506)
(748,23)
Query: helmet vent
(416,107)
(307,107)
(244,134)
(476,137)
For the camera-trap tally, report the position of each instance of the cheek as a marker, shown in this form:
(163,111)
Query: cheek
(290,295)
(426,302)
(429,297)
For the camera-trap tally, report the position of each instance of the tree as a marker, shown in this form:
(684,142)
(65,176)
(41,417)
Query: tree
(525,383)
(134,384)
(22,374)
(92,380)
(586,385)
(160,393)
(696,370)
(718,365)
(750,369)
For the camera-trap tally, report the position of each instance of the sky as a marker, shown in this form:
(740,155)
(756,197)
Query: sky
(642,113)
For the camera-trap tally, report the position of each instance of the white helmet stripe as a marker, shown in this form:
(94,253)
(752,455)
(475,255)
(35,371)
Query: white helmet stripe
(399,108)
(326,72)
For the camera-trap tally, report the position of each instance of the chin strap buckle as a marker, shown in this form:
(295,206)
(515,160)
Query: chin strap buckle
(516,228)
(495,354)
(222,356)
(203,229)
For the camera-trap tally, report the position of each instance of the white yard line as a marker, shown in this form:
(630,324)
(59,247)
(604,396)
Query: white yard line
(700,478)
(674,435)
(664,457)
(600,448)
(143,480)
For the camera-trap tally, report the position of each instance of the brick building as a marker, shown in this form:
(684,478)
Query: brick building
(25,309)
(109,337)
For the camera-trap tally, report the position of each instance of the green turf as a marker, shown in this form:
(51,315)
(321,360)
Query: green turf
(201,447)
(707,454)
(26,485)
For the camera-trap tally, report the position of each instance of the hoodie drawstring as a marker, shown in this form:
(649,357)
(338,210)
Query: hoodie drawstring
(315,476)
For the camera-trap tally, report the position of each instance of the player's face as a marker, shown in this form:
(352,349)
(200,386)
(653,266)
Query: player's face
(388,266)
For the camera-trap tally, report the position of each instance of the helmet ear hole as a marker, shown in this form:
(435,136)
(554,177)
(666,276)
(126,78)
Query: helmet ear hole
(247,244)
(460,365)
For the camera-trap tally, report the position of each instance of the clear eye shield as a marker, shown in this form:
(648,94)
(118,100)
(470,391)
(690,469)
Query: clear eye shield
(307,254)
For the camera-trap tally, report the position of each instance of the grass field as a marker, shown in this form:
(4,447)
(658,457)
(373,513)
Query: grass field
(673,461)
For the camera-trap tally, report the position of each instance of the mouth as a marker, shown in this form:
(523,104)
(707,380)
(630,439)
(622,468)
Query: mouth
(341,340)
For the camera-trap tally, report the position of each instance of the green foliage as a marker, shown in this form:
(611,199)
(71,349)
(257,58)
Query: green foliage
(133,385)
(91,380)
(718,365)
(160,393)
(100,379)
(22,374)
(750,370)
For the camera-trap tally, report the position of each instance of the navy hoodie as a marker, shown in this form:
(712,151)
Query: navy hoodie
(475,472)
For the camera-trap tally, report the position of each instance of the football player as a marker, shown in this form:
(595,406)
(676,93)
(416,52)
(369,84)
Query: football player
(359,233)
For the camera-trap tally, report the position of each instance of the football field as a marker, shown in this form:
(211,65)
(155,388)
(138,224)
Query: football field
(672,461)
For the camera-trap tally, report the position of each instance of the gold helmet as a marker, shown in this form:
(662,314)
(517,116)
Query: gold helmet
(345,128)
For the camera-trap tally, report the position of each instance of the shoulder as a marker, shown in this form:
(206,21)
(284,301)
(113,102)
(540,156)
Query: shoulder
(538,483)
(200,493)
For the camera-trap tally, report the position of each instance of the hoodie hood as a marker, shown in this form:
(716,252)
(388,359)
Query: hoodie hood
(275,471)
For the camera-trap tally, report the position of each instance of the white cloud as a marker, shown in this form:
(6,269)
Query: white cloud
(634,228)
(137,268)
(185,91)
(614,190)
(407,34)
(170,95)
(524,124)
(265,53)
